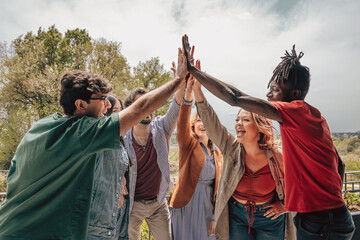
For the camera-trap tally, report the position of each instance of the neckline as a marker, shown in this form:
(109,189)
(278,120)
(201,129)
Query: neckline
(258,170)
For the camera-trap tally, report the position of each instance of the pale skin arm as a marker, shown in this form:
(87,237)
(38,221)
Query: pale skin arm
(228,93)
(180,92)
(151,101)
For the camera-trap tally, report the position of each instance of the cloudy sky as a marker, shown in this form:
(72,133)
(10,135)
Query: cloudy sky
(238,41)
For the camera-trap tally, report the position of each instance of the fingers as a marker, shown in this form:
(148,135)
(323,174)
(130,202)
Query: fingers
(187,49)
(273,212)
(269,206)
(173,67)
(212,228)
(197,65)
(270,214)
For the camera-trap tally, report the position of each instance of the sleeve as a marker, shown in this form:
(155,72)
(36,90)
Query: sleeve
(169,120)
(288,113)
(214,129)
(183,126)
(99,134)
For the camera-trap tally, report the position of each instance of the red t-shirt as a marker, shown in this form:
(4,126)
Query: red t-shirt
(312,182)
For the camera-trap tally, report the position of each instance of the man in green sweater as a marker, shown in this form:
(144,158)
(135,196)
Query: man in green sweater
(51,175)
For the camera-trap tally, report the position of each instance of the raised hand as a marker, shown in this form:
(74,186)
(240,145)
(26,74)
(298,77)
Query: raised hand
(181,70)
(188,51)
(173,68)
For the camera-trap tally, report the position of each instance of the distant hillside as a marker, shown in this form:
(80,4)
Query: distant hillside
(343,135)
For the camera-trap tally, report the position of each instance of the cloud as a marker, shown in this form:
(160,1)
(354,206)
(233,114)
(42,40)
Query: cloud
(239,42)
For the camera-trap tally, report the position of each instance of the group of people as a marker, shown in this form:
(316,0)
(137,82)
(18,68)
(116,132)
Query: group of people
(101,168)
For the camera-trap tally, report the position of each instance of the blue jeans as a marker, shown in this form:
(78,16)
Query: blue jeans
(262,228)
(330,224)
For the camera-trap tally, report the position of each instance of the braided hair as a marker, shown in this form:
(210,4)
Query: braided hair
(292,72)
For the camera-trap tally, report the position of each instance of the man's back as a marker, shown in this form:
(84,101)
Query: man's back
(51,177)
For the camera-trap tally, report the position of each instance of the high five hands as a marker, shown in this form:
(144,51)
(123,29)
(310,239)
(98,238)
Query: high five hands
(187,51)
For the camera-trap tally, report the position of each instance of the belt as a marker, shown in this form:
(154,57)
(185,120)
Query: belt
(147,200)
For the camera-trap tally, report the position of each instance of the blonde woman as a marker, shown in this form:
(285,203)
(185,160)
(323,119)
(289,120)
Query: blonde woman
(251,190)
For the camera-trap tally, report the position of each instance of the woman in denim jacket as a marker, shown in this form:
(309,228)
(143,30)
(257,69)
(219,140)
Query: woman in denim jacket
(109,212)
(243,211)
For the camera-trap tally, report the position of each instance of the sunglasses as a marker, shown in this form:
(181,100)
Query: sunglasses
(105,98)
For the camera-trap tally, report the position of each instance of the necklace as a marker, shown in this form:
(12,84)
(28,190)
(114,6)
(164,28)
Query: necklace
(138,142)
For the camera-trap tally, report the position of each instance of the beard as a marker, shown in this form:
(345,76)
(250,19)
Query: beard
(145,121)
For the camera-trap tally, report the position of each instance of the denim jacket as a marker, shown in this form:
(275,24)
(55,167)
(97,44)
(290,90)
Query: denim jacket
(161,129)
(109,172)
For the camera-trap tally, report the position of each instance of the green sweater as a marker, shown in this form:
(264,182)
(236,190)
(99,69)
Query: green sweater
(51,177)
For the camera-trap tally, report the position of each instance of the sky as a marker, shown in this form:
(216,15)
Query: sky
(238,41)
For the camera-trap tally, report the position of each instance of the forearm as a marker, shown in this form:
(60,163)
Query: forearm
(183,126)
(233,96)
(180,93)
(220,89)
(199,95)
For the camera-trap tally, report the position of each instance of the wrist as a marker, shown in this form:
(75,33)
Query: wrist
(187,102)
(191,68)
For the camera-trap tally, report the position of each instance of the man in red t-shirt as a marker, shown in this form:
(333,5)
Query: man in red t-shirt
(312,182)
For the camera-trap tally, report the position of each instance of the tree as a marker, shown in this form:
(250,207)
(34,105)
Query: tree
(30,69)
(150,75)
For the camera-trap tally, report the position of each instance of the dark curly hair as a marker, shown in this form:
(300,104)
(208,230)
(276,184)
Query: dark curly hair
(133,94)
(291,71)
(80,85)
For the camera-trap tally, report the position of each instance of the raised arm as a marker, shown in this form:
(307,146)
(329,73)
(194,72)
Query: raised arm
(149,102)
(214,129)
(228,93)
(183,124)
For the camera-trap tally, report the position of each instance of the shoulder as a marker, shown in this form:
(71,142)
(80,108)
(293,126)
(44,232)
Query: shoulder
(289,105)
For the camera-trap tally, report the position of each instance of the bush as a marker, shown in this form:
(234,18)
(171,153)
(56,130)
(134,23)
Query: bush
(352,201)
(145,231)
(2,183)
(2,187)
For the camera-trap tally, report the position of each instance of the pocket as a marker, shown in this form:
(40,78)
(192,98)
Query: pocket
(309,230)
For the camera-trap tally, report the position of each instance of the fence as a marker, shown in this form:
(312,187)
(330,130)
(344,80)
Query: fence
(351,181)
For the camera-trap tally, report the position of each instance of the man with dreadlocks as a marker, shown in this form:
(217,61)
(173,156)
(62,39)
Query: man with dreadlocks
(312,182)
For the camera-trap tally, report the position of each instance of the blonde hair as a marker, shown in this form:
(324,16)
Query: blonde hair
(267,139)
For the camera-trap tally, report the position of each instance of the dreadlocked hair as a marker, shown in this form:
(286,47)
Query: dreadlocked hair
(291,71)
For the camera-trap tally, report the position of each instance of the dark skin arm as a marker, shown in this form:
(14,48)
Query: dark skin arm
(228,93)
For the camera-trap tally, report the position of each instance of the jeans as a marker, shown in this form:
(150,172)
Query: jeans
(262,228)
(333,224)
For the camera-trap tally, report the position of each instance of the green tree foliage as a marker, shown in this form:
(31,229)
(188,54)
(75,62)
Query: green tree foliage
(349,151)
(30,69)
(150,75)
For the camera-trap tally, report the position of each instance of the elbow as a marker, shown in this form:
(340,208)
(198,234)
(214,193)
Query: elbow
(233,101)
